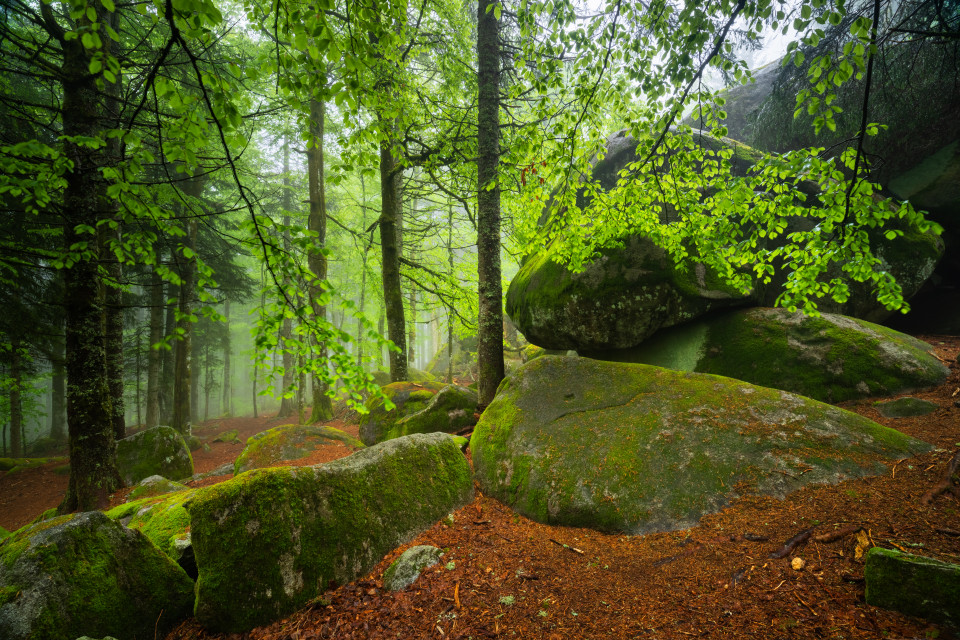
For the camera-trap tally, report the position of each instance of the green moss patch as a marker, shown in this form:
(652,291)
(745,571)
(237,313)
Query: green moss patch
(906,407)
(162,519)
(154,486)
(159,451)
(418,408)
(14,465)
(289,442)
(270,540)
(914,585)
(229,437)
(85,574)
(832,358)
(635,448)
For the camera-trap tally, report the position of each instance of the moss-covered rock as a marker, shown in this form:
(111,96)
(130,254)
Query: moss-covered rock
(831,358)
(906,407)
(405,570)
(464,358)
(418,408)
(229,437)
(3,533)
(158,451)
(289,442)
(636,448)
(164,521)
(269,540)
(154,486)
(914,585)
(85,574)
(15,465)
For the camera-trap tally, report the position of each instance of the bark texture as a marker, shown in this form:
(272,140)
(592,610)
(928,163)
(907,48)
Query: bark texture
(154,355)
(490,323)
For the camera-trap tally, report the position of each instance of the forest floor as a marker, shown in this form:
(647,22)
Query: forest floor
(507,577)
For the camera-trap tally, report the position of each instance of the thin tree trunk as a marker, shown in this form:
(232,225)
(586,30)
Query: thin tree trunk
(16,405)
(182,383)
(113,326)
(227,391)
(412,331)
(316,260)
(490,322)
(390,260)
(139,365)
(207,379)
(153,354)
(58,404)
(450,306)
(363,270)
(168,358)
(196,350)
(288,406)
(93,470)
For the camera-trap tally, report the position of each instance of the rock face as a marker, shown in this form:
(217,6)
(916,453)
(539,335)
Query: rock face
(831,358)
(913,585)
(270,540)
(158,451)
(289,442)
(419,408)
(405,570)
(154,486)
(636,448)
(85,574)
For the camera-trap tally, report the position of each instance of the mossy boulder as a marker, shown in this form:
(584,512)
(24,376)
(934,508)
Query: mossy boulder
(159,451)
(914,585)
(3,533)
(165,522)
(906,407)
(832,358)
(405,570)
(270,540)
(154,486)
(464,358)
(85,574)
(289,442)
(230,437)
(15,465)
(418,408)
(637,448)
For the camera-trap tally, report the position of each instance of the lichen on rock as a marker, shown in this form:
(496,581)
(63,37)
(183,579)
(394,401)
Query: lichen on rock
(637,448)
(157,451)
(405,570)
(269,540)
(289,442)
(418,408)
(85,574)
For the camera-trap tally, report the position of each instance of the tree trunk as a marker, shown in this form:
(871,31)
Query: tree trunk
(412,332)
(288,405)
(153,354)
(196,350)
(168,358)
(16,405)
(181,383)
(227,409)
(113,326)
(93,469)
(490,322)
(207,379)
(316,260)
(390,260)
(58,400)
(450,306)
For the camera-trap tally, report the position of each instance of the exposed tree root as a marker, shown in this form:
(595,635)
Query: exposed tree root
(946,485)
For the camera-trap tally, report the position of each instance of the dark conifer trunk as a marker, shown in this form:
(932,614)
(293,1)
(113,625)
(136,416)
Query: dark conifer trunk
(181,376)
(317,222)
(226,408)
(17,445)
(113,326)
(490,347)
(168,357)
(154,355)
(58,396)
(93,469)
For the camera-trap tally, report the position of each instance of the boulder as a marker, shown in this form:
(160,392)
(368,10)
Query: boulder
(230,437)
(85,574)
(405,570)
(914,585)
(289,442)
(832,358)
(629,292)
(158,451)
(418,408)
(906,407)
(154,486)
(270,540)
(165,522)
(637,448)
(464,358)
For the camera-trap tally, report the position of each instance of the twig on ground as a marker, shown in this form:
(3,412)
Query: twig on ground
(566,546)
(791,544)
(833,536)
(946,484)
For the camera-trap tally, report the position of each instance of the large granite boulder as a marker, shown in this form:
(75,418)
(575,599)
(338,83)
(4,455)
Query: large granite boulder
(289,442)
(914,585)
(418,408)
(629,292)
(405,570)
(164,521)
(270,540)
(636,448)
(159,451)
(831,358)
(154,486)
(84,574)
